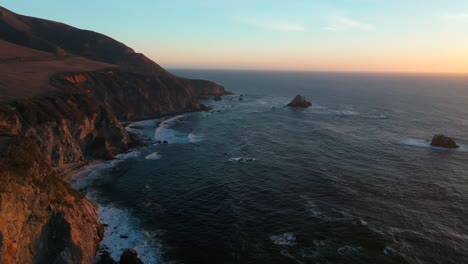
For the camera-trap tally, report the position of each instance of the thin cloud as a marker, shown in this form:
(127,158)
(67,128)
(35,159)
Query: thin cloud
(455,16)
(341,23)
(272,25)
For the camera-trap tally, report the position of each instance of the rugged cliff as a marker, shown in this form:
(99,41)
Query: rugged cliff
(42,219)
(132,95)
(68,128)
(62,93)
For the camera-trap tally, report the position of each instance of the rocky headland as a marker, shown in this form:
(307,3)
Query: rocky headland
(64,93)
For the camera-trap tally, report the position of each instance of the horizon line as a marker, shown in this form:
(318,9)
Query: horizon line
(169,68)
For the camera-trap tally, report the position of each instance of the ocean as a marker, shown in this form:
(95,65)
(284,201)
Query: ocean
(352,179)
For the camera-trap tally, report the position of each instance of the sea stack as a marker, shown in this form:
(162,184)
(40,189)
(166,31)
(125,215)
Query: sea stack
(440,140)
(300,101)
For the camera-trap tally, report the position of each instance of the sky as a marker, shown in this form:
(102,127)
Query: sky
(313,35)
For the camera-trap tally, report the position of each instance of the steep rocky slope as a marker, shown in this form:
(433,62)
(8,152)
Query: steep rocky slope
(132,95)
(50,119)
(42,219)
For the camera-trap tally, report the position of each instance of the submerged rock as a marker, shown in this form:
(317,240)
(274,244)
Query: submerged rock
(441,140)
(300,101)
(130,256)
(217,98)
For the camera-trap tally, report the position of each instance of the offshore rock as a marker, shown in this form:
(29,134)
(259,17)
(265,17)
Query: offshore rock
(440,140)
(300,101)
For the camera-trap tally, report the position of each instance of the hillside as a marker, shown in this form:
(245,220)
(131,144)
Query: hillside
(25,72)
(62,93)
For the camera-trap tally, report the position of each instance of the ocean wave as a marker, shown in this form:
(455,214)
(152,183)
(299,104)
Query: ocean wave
(285,239)
(345,113)
(377,116)
(153,156)
(122,229)
(195,138)
(242,159)
(425,143)
(121,232)
(142,129)
(164,132)
(128,155)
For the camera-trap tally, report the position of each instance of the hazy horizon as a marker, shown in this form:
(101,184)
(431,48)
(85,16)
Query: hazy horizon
(353,36)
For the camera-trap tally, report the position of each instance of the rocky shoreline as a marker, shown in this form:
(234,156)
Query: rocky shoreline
(63,115)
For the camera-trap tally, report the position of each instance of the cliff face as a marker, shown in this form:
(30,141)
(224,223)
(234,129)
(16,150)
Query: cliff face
(68,128)
(42,219)
(132,95)
(50,119)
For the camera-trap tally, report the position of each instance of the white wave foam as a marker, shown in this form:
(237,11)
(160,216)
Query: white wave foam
(422,143)
(164,132)
(143,123)
(377,116)
(122,229)
(153,156)
(121,233)
(195,138)
(285,239)
(242,159)
(345,113)
(142,129)
(128,155)
(416,142)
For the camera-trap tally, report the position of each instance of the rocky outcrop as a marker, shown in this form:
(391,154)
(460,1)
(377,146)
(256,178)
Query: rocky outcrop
(440,140)
(42,219)
(130,256)
(300,101)
(68,128)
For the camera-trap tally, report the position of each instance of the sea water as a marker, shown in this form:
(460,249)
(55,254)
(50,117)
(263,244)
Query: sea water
(352,179)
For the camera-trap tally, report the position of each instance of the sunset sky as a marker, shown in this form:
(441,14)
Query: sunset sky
(345,35)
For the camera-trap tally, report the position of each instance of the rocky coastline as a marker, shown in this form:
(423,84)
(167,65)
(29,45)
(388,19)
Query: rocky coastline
(70,118)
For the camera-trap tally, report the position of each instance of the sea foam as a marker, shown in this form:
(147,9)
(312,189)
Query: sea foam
(164,132)
(153,156)
(123,230)
(285,239)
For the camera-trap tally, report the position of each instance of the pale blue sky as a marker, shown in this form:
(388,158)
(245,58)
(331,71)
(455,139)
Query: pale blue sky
(357,35)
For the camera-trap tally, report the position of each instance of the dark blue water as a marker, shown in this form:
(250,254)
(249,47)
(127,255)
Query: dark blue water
(350,180)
